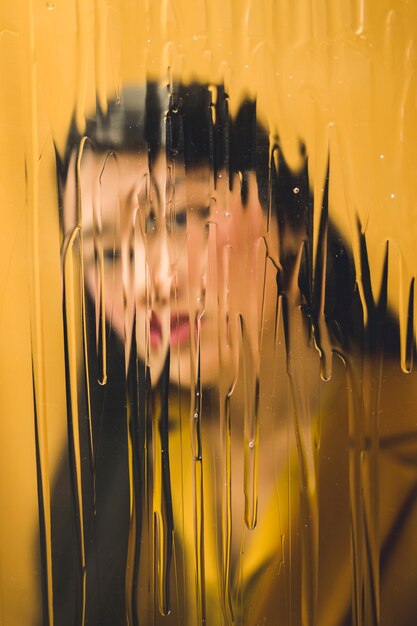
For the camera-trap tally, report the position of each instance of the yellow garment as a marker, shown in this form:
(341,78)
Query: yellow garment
(266,575)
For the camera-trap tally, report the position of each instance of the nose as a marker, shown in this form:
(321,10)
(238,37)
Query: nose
(160,274)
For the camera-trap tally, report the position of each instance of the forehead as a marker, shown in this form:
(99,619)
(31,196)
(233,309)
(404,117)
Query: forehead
(188,187)
(127,170)
(123,170)
(112,185)
(128,173)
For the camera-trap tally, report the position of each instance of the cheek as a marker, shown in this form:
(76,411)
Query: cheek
(113,298)
(197,259)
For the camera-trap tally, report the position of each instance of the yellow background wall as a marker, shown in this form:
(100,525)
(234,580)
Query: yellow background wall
(340,76)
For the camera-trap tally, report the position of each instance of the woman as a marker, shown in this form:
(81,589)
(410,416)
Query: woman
(193,486)
(158,230)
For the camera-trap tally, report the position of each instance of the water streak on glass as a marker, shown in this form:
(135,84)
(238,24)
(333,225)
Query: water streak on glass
(229,338)
(207,312)
(72,280)
(100,297)
(251,436)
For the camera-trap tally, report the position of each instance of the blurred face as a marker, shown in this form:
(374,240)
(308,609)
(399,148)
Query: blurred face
(170,259)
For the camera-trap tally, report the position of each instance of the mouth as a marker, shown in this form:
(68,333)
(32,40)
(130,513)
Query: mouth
(155,331)
(180,329)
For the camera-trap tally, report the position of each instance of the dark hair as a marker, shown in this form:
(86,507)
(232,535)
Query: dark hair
(134,122)
(202,131)
(195,127)
(187,123)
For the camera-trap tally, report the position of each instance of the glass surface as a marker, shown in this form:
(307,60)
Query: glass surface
(207,313)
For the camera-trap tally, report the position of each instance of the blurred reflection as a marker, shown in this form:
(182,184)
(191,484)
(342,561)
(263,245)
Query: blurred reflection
(180,258)
(205,450)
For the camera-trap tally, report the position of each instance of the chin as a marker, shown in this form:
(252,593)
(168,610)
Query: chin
(156,365)
(180,369)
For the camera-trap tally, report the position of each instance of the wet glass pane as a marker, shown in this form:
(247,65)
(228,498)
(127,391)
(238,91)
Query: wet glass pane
(207,313)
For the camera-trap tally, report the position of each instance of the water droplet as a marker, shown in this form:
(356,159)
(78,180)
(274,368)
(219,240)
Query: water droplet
(251,444)
(195,415)
(392,196)
(227,213)
(296,190)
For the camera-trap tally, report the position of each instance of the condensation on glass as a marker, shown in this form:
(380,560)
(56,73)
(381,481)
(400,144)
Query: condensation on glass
(207,305)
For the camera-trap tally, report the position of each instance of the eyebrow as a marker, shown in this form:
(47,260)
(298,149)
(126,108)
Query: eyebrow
(201,178)
(105,231)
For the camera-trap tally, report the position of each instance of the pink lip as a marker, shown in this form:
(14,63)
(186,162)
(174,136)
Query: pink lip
(155,331)
(180,329)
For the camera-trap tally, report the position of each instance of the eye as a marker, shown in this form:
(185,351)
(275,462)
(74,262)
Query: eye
(203,212)
(176,221)
(181,219)
(111,256)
